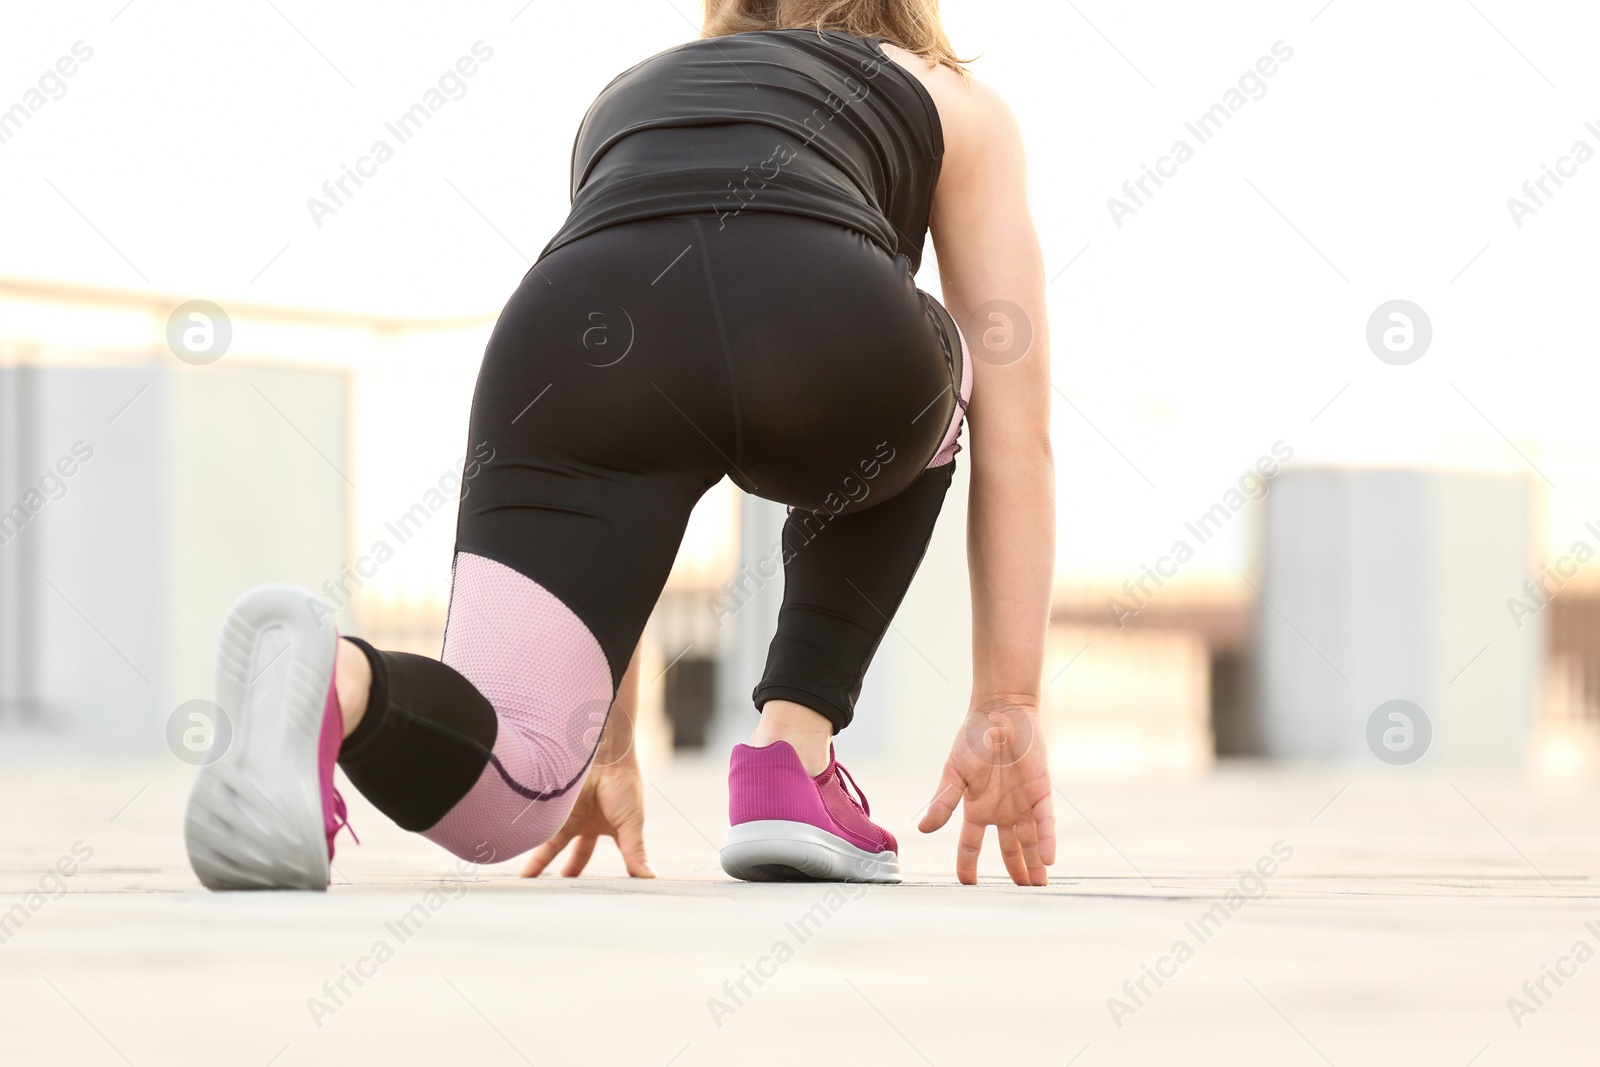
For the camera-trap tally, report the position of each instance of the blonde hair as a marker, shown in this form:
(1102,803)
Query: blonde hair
(912,24)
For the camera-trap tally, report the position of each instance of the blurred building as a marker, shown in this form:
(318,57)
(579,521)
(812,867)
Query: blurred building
(315,439)
(1384,585)
(1161,691)
(152,491)
(138,501)
(1566,739)
(1364,586)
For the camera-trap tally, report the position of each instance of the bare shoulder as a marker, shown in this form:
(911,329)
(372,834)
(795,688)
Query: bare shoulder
(971,113)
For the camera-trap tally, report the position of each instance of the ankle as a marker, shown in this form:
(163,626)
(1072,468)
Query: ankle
(806,731)
(352,683)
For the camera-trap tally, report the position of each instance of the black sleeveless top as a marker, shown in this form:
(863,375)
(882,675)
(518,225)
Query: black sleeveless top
(822,124)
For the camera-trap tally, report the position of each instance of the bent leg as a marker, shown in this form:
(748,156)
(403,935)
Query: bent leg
(842,583)
(845,575)
(600,417)
(484,753)
(550,685)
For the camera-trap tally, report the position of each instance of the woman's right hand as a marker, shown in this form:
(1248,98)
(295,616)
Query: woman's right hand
(610,804)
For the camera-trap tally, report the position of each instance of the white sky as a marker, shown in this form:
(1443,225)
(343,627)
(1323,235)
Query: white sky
(1219,319)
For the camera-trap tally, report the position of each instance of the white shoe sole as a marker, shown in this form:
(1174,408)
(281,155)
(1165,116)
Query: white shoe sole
(255,815)
(779,850)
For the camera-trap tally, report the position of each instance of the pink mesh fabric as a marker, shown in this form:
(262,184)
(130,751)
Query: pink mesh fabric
(770,782)
(851,822)
(550,685)
(947,451)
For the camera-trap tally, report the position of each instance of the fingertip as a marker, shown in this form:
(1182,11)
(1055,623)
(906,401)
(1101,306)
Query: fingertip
(578,858)
(638,866)
(538,860)
(942,806)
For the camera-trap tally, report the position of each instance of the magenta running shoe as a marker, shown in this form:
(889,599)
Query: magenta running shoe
(791,827)
(263,815)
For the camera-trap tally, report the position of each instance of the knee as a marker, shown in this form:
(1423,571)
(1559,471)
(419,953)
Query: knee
(498,844)
(505,833)
(484,850)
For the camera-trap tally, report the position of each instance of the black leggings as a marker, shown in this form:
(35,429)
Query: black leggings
(629,372)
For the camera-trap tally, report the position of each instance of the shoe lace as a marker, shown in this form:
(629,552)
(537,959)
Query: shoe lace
(860,798)
(341,820)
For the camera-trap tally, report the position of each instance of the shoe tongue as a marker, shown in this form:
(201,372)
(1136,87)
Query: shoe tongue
(847,785)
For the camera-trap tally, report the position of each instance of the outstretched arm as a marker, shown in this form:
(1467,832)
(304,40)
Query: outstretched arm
(993,282)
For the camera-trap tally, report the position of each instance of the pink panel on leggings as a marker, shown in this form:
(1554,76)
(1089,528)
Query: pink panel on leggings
(947,451)
(550,685)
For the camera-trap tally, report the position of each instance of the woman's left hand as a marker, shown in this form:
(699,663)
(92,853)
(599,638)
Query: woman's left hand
(999,775)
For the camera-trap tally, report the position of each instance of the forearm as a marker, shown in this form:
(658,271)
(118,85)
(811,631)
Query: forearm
(993,280)
(1010,560)
(617,740)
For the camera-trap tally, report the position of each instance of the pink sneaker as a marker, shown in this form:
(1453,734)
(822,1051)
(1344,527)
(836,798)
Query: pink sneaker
(264,814)
(791,827)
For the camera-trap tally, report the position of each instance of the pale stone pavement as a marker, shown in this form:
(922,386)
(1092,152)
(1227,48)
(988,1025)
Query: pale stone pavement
(1411,909)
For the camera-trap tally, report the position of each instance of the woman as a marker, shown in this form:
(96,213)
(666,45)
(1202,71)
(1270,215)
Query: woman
(731,295)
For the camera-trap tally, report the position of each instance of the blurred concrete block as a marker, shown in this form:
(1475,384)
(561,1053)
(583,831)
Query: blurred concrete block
(186,487)
(745,614)
(1392,585)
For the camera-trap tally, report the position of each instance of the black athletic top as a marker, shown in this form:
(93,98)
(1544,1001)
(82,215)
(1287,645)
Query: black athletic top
(822,124)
